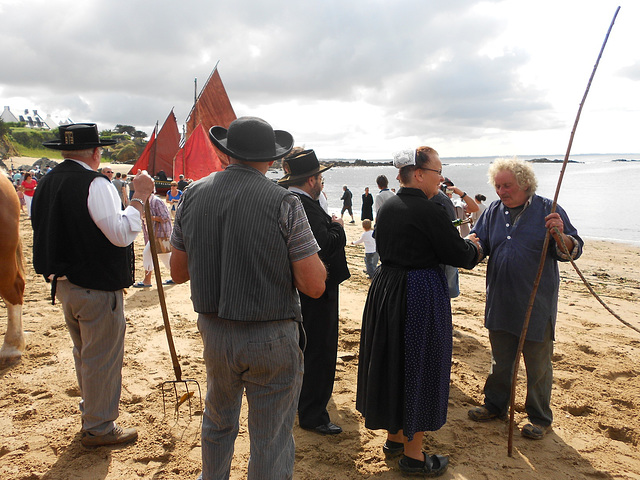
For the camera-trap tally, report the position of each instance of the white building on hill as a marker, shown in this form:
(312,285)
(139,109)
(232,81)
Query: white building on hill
(32,120)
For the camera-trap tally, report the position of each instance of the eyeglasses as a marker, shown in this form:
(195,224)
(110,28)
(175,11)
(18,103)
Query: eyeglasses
(439,172)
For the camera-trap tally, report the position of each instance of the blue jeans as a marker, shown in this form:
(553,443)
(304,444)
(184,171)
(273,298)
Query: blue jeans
(537,359)
(264,360)
(371,262)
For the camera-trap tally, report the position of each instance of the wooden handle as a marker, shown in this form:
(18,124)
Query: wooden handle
(163,304)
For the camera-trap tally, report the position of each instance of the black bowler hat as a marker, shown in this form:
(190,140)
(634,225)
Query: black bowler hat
(303,165)
(251,139)
(78,136)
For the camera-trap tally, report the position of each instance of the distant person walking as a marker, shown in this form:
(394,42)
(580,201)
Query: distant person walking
(347,203)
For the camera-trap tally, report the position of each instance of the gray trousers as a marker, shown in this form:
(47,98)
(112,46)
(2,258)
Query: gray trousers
(96,323)
(537,359)
(263,359)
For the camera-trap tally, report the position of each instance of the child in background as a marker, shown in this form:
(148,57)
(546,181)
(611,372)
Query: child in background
(371,257)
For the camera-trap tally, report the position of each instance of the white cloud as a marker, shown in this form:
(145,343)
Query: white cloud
(351,79)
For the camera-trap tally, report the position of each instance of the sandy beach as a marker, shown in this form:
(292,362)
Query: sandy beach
(596,391)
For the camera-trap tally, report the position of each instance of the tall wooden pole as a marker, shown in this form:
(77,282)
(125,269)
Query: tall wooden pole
(543,256)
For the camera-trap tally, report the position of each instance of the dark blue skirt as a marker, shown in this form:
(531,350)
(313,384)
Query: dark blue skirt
(405,351)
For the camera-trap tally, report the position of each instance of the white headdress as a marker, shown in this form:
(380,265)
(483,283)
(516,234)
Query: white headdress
(404,158)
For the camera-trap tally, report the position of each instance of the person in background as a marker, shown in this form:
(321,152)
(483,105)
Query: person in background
(17,182)
(303,177)
(28,188)
(479,198)
(323,200)
(108,172)
(371,257)
(463,207)
(511,233)
(182,183)
(162,232)
(119,184)
(384,195)
(132,190)
(125,189)
(367,205)
(455,211)
(17,178)
(82,244)
(406,324)
(347,203)
(173,197)
(245,259)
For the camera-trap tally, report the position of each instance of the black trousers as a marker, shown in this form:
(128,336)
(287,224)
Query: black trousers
(320,321)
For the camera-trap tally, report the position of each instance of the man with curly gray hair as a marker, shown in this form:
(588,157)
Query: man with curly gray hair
(511,233)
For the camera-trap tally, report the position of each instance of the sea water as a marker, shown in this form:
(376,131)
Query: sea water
(598,193)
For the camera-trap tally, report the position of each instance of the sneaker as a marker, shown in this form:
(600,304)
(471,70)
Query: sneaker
(482,414)
(115,437)
(535,432)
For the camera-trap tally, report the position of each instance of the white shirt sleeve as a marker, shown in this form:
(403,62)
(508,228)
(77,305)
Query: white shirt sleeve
(121,227)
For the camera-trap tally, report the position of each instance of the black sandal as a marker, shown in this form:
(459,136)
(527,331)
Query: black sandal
(433,466)
(392,449)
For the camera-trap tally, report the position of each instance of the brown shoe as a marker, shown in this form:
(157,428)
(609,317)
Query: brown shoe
(535,432)
(115,437)
(482,414)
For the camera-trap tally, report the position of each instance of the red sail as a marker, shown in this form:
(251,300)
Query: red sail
(212,108)
(197,158)
(143,162)
(165,148)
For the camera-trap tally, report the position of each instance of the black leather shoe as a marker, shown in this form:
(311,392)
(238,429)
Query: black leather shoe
(328,429)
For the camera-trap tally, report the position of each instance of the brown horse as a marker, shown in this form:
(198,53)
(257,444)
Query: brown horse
(12,268)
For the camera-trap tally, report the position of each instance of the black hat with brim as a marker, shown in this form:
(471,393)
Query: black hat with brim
(303,165)
(251,139)
(78,136)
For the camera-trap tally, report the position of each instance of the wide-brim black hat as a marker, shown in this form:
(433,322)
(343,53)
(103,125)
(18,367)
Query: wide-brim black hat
(251,139)
(78,136)
(301,166)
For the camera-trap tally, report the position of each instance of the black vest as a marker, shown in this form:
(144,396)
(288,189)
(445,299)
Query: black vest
(66,241)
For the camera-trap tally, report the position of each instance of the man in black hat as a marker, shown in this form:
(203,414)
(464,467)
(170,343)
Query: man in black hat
(319,315)
(82,244)
(246,246)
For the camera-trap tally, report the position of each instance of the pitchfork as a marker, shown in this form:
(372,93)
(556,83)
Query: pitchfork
(172,384)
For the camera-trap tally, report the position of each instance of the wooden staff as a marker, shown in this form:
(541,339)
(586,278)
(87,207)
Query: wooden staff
(525,326)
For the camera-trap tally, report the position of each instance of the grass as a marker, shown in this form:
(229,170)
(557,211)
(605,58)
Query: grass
(38,152)
(45,152)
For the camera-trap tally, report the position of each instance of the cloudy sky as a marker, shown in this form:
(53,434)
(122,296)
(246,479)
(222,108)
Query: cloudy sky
(351,79)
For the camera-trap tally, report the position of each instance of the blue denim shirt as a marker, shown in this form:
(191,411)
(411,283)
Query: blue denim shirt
(514,252)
